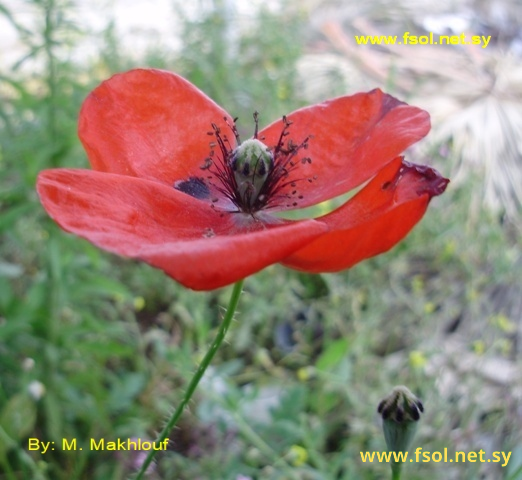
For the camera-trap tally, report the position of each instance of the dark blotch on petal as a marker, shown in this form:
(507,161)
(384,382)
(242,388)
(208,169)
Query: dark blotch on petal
(388,104)
(433,182)
(194,186)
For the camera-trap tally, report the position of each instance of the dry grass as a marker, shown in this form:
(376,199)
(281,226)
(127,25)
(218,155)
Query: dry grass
(474,94)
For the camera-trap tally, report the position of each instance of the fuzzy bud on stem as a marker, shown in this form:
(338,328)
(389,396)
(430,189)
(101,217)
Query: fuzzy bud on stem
(400,411)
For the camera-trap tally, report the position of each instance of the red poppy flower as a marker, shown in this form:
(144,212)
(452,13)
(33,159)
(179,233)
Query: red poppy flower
(202,208)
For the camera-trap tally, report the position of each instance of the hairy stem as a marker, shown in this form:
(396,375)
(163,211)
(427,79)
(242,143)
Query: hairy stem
(229,315)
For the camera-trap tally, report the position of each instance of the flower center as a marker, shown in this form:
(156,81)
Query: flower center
(252,175)
(252,162)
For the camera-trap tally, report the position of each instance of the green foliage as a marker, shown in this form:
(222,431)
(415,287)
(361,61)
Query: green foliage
(92,346)
(243,70)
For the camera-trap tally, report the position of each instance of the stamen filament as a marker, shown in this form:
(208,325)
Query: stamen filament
(252,175)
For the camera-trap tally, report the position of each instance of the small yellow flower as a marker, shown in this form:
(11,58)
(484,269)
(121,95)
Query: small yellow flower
(297,455)
(479,347)
(503,323)
(429,307)
(139,304)
(305,373)
(417,284)
(417,359)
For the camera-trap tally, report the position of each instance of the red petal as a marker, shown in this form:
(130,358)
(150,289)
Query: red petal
(149,123)
(198,246)
(353,138)
(373,221)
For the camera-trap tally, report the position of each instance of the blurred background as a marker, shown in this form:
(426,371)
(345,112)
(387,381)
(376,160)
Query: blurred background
(92,345)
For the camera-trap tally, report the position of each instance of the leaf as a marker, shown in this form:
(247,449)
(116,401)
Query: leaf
(18,416)
(54,416)
(314,286)
(104,286)
(125,390)
(6,443)
(333,354)
(13,214)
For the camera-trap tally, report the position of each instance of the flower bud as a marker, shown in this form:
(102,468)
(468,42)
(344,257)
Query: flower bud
(400,412)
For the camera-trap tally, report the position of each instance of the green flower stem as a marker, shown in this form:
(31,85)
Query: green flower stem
(229,315)
(396,471)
